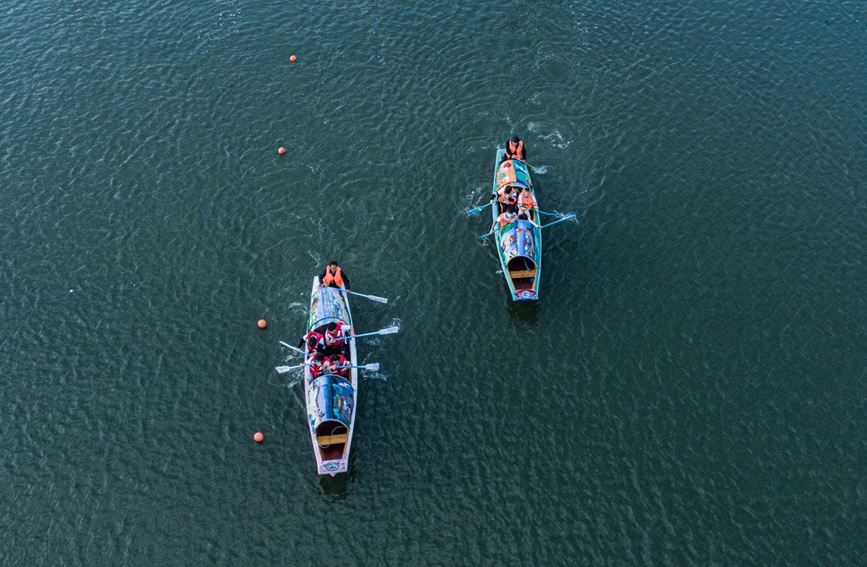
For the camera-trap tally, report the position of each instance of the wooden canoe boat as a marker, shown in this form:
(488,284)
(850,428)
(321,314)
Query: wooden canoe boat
(519,243)
(331,399)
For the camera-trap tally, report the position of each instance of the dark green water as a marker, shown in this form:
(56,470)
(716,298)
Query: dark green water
(689,390)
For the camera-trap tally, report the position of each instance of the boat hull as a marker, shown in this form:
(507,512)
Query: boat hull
(519,243)
(331,400)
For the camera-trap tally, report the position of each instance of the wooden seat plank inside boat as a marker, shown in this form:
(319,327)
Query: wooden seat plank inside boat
(517,274)
(332,439)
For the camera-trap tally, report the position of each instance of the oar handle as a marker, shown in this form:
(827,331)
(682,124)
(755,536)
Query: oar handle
(296,349)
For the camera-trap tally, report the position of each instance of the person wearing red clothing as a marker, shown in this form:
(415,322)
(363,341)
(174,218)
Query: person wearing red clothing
(338,360)
(315,342)
(333,332)
(319,363)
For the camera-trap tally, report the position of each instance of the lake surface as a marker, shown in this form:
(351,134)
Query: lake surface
(691,388)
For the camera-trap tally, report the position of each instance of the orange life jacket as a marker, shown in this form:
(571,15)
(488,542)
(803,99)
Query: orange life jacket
(506,218)
(516,150)
(527,202)
(336,277)
(507,198)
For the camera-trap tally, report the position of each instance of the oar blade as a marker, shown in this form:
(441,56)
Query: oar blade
(372,367)
(477,210)
(371,297)
(388,331)
(283,369)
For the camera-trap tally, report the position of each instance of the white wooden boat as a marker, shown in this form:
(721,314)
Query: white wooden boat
(331,399)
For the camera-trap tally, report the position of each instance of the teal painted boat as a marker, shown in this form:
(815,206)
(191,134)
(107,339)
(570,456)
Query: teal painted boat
(519,242)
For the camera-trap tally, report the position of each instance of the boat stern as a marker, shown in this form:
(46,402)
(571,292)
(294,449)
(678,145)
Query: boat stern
(333,468)
(525,295)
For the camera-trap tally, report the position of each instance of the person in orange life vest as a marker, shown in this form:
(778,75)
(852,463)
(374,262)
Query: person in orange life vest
(315,342)
(505,196)
(527,203)
(505,218)
(515,149)
(333,276)
(338,360)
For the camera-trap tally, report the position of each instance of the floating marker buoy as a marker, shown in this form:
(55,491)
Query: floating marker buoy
(281,151)
(293,59)
(258,438)
(262,323)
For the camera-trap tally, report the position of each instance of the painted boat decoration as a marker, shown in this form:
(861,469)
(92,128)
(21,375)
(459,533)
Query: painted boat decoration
(519,243)
(331,399)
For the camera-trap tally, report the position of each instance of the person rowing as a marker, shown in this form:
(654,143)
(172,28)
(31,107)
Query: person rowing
(505,197)
(334,331)
(319,363)
(333,276)
(527,203)
(315,342)
(515,149)
(340,365)
(509,216)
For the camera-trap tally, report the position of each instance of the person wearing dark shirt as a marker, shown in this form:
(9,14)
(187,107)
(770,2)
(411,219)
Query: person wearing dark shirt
(515,149)
(333,276)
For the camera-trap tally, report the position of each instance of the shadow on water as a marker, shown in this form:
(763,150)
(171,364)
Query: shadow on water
(524,314)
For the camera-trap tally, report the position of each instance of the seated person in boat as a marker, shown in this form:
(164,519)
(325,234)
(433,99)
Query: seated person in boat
(319,363)
(315,342)
(333,276)
(340,364)
(505,196)
(505,218)
(527,207)
(515,149)
(333,333)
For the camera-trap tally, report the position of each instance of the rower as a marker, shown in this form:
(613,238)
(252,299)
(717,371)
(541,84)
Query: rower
(515,149)
(334,331)
(333,276)
(340,364)
(315,342)
(505,196)
(505,218)
(319,363)
(526,203)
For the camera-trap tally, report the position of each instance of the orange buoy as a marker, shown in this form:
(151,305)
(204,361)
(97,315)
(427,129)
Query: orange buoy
(293,59)
(258,438)
(263,323)
(281,151)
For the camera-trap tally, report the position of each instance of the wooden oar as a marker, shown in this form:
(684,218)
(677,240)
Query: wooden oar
(477,210)
(386,331)
(296,349)
(373,367)
(570,217)
(373,297)
(285,369)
